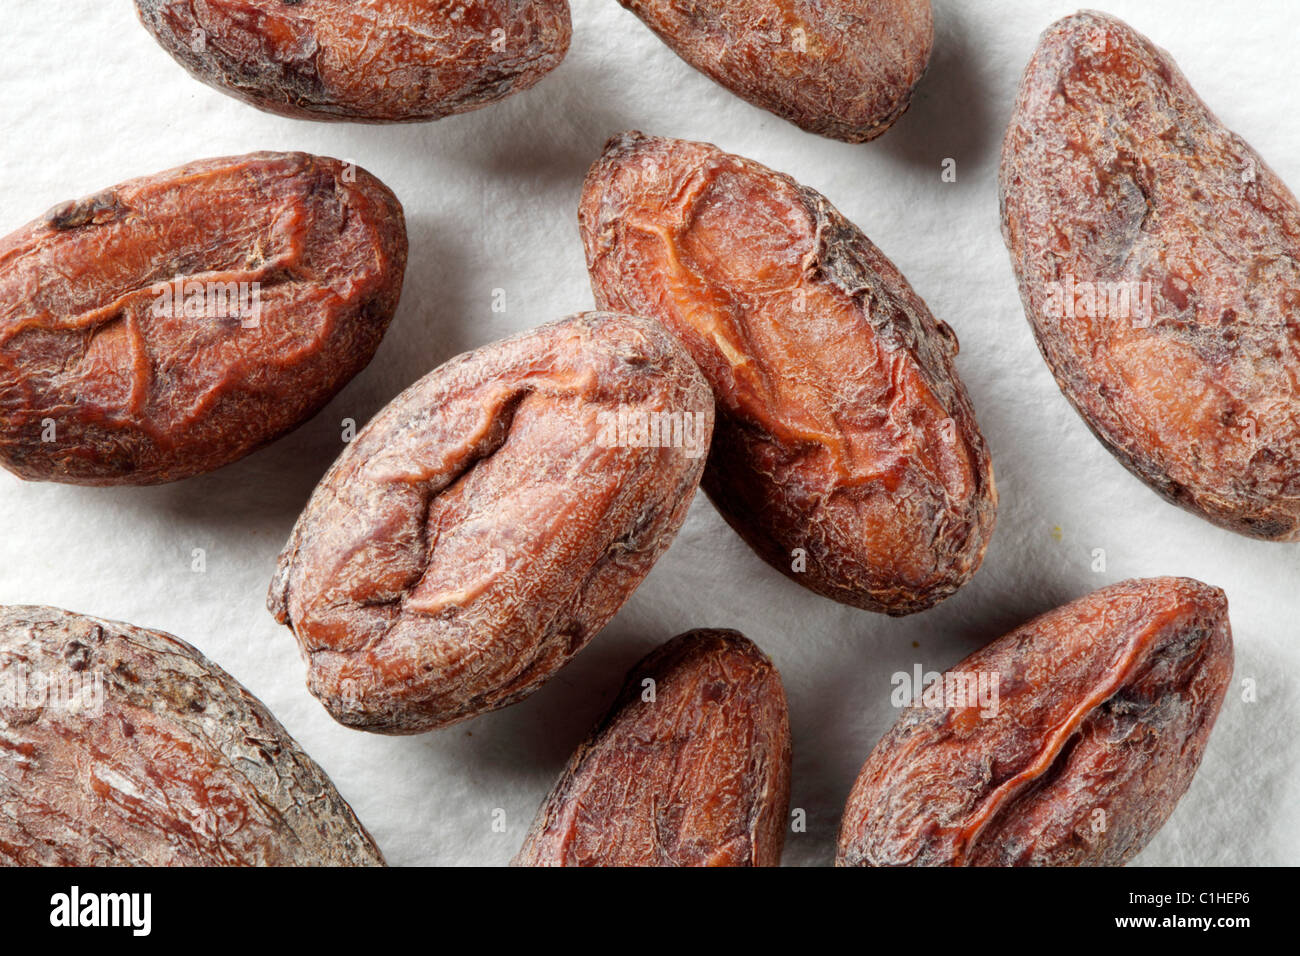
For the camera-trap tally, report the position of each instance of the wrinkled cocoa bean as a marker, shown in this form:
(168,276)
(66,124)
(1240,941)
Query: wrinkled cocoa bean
(175,323)
(122,746)
(380,61)
(384,61)
(845,69)
(488,522)
(846,453)
(691,767)
(1159,264)
(1100,715)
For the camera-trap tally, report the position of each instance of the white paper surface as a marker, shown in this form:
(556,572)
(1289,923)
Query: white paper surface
(87,99)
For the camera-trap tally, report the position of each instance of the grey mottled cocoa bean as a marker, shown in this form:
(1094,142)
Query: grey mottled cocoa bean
(699,775)
(382,61)
(1097,722)
(1158,258)
(491,520)
(173,324)
(122,746)
(845,69)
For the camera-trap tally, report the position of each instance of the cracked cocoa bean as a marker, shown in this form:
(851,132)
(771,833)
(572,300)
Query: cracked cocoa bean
(691,766)
(1098,719)
(846,453)
(845,70)
(122,746)
(491,520)
(1159,264)
(384,61)
(173,324)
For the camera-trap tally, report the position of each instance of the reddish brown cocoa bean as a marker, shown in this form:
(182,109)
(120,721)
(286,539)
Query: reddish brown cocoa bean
(697,776)
(846,453)
(1101,712)
(488,522)
(173,324)
(384,61)
(121,746)
(1159,264)
(845,69)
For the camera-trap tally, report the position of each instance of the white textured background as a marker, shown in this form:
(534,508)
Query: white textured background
(87,99)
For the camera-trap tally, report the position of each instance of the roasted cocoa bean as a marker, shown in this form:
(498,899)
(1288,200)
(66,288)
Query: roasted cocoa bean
(845,69)
(1159,265)
(1100,715)
(384,61)
(122,746)
(173,324)
(488,522)
(846,453)
(691,767)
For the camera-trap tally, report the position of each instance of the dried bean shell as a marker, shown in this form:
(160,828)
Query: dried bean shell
(698,776)
(488,522)
(379,61)
(846,451)
(1101,716)
(845,69)
(173,324)
(1159,264)
(122,746)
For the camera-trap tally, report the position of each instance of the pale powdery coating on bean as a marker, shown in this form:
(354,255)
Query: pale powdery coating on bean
(372,61)
(1113,170)
(170,763)
(699,776)
(845,69)
(107,376)
(486,525)
(1104,708)
(847,453)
